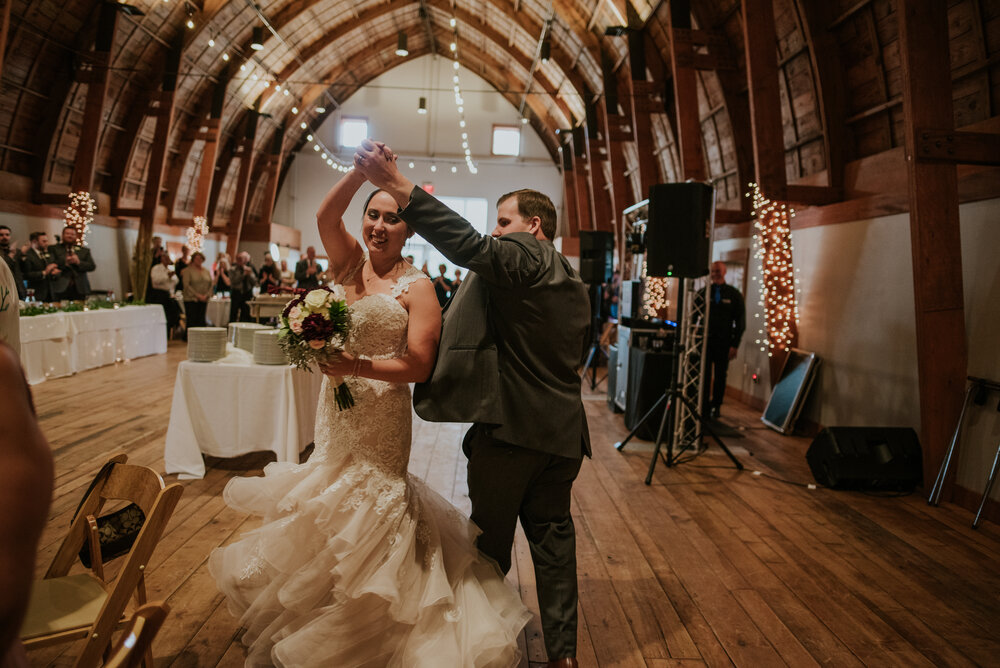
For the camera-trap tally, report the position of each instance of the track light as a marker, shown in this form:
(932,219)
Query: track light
(422,106)
(258,39)
(546,49)
(401,49)
(320,110)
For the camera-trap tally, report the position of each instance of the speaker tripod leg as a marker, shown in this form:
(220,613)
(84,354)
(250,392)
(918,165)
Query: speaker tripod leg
(590,358)
(620,445)
(935,496)
(989,487)
(659,439)
(708,428)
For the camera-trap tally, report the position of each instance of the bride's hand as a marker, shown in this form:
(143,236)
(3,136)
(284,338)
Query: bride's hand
(339,365)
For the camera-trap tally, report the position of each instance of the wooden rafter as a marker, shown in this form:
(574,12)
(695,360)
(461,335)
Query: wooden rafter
(237,214)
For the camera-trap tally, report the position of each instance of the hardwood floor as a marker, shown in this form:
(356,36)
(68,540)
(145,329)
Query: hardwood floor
(707,566)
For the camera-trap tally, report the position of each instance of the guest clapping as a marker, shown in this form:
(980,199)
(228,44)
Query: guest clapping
(269,275)
(221,273)
(74,262)
(164,281)
(307,270)
(197,290)
(287,277)
(242,281)
(38,267)
(10,255)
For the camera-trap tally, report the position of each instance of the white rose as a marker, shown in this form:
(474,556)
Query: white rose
(338,293)
(316,299)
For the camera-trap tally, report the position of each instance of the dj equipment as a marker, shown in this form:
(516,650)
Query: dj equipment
(677,242)
(596,256)
(866,458)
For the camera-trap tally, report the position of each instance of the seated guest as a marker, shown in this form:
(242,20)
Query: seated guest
(179,266)
(26,478)
(74,263)
(307,270)
(38,267)
(269,274)
(221,271)
(11,257)
(164,281)
(242,280)
(197,290)
(287,277)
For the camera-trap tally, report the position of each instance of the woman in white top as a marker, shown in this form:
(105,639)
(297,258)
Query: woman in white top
(163,281)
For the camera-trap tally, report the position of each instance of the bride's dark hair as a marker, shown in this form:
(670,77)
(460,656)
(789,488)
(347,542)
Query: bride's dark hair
(368,201)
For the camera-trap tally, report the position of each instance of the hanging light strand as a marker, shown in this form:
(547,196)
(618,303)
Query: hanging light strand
(196,234)
(773,248)
(460,101)
(80,213)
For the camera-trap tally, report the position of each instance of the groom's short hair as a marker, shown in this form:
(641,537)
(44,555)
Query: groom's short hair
(531,203)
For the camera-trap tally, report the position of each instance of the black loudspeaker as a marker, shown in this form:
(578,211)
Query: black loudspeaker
(866,458)
(648,378)
(677,230)
(596,256)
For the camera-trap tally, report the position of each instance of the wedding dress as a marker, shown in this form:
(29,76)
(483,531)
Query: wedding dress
(358,563)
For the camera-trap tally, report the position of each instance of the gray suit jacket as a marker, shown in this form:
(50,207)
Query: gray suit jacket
(512,337)
(78,272)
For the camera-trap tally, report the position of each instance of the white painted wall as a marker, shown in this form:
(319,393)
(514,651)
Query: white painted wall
(856,311)
(390,103)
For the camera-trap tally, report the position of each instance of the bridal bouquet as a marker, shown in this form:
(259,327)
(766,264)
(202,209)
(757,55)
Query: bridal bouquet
(314,326)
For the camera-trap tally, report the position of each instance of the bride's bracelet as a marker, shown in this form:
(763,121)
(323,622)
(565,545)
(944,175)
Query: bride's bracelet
(356,368)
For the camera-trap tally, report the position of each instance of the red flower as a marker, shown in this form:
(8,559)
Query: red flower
(316,328)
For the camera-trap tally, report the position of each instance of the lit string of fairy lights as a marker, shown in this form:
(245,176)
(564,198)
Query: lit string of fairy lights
(196,234)
(655,297)
(80,214)
(773,247)
(460,101)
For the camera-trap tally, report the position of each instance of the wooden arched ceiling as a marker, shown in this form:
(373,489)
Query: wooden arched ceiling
(839,71)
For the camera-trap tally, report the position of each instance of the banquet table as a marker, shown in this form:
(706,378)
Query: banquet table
(233,406)
(61,344)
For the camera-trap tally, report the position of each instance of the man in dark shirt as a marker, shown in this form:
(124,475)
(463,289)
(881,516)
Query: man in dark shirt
(726,322)
(442,286)
(12,257)
(307,271)
(39,268)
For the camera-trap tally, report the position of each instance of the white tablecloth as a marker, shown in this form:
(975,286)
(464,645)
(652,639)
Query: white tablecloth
(61,344)
(217,311)
(229,409)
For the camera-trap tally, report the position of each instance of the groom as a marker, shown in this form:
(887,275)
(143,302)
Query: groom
(511,340)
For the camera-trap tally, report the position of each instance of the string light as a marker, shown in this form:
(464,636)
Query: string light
(460,101)
(196,234)
(773,247)
(80,214)
(655,294)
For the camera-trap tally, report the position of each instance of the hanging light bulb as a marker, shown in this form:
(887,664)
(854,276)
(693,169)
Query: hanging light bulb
(320,110)
(401,49)
(257,43)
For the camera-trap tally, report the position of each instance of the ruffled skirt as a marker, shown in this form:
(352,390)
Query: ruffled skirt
(354,567)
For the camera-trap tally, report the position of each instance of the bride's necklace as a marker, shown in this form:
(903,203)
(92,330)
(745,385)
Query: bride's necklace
(390,275)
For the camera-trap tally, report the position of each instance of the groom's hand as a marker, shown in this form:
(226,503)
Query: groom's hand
(377,163)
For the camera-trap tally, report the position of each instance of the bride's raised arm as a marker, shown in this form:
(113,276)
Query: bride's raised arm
(343,250)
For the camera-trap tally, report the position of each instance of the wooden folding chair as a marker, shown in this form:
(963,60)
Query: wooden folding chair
(64,607)
(137,638)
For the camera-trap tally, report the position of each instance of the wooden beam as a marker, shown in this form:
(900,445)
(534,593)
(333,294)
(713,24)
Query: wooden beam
(99,63)
(597,154)
(569,192)
(760,39)
(154,172)
(273,170)
(971,148)
(584,192)
(238,213)
(4,28)
(942,355)
(685,92)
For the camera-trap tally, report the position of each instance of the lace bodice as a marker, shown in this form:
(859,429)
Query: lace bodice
(377,429)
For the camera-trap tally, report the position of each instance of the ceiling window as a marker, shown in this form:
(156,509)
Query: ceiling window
(506,140)
(353,130)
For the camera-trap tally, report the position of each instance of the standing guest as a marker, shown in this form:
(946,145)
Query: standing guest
(182,262)
(197,290)
(10,314)
(457,281)
(269,275)
(154,259)
(164,281)
(409,259)
(38,267)
(26,478)
(287,277)
(726,322)
(242,281)
(307,270)
(11,257)
(442,285)
(74,263)
(511,342)
(221,274)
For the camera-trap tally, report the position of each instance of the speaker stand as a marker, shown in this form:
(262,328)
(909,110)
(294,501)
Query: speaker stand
(593,359)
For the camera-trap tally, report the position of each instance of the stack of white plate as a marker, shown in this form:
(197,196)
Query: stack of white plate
(266,349)
(243,334)
(206,344)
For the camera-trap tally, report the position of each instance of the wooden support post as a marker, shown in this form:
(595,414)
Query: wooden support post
(760,40)
(942,356)
(210,151)
(685,92)
(640,105)
(96,77)
(584,193)
(4,28)
(604,217)
(612,125)
(238,212)
(273,171)
(569,192)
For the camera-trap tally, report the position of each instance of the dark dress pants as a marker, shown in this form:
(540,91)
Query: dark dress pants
(716,368)
(195,312)
(508,482)
(239,307)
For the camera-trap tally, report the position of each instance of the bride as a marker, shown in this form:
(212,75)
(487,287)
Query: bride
(356,562)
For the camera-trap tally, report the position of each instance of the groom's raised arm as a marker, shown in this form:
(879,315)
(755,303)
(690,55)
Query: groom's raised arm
(513,260)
